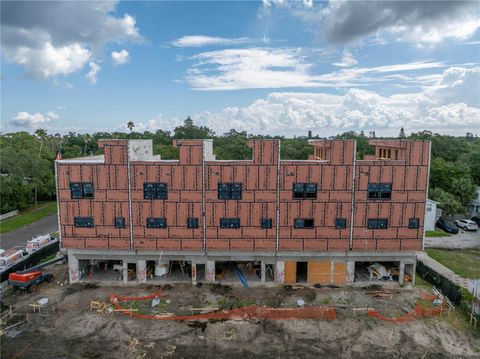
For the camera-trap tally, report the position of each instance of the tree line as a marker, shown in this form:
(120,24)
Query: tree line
(27,160)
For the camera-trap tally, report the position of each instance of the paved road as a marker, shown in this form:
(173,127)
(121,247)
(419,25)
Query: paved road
(461,240)
(21,236)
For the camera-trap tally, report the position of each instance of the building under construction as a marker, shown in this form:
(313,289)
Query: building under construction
(130,216)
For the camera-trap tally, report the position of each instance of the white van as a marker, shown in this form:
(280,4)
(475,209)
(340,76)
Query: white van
(10,257)
(38,242)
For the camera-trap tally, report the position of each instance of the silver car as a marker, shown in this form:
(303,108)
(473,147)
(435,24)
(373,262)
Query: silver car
(466,224)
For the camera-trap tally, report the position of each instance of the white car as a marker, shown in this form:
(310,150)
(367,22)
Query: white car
(466,224)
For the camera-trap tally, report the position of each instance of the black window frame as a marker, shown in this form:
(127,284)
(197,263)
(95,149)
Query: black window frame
(156,222)
(414,223)
(192,222)
(155,190)
(230,223)
(266,223)
(84,222)
(120,222)
(379,191)
(229,190)
(80,190)
(377,223)
(340,223)
(304,190)
(304,223)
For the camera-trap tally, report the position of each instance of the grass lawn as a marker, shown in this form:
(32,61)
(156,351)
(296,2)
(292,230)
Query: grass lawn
(437,234)
(464,262)
(28,216)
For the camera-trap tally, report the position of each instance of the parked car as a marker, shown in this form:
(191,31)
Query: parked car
(476,220)
(446,227)
(466,224)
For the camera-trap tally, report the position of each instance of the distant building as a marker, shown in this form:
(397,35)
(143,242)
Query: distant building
(432,214)
(128,215)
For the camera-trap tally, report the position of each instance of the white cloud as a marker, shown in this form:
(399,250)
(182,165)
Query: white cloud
(201,40)
(347,60)
(49,61)
(458,84)
(51,39)
(444,106)
(425,22)
(296,113)
(153,124)
(308,3)
(269,3)
(120,57)
(233,69)
(28,120)
(460,29)
(94,70)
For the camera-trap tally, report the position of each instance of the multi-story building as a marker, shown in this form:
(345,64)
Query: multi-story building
(321,220)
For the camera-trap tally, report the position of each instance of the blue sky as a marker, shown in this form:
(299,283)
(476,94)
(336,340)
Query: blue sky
(272,67)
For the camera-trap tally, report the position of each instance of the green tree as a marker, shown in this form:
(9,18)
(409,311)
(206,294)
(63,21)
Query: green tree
(463,189)
(295,149)
(190,131)
(232,145)
(448,203)
(473,160)
(130,126)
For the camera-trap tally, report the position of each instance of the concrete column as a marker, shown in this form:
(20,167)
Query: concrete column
(73,269)
(350,279)
(332,270)
(125,271)
(194,273)
(414,273)
(210,272)
(142,271)
(401,271)
(280,272)
(262,276)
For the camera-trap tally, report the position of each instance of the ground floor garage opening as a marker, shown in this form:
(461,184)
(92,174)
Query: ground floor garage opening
(98,270)
(302,272)
(269,272)
(169,271)
(131,272)
(374,271)
(244,272)
(409,275)
(199,272)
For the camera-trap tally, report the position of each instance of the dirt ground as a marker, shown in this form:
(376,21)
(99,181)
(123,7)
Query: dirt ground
(66,328)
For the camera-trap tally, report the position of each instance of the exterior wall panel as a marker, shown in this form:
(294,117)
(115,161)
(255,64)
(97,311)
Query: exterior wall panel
(193,180)
(408,176)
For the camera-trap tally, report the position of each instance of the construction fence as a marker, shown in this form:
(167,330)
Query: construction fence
(263,312)
(244,313)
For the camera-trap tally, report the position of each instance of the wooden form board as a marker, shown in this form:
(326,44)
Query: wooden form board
(319,272)
(290,272)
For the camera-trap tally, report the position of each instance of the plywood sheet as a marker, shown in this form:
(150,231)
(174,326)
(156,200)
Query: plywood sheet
(290,272)
(319,272)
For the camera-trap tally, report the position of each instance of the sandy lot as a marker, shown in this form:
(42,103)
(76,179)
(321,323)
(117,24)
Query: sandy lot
(66,328)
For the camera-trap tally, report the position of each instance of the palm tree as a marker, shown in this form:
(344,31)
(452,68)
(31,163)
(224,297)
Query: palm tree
(130,126)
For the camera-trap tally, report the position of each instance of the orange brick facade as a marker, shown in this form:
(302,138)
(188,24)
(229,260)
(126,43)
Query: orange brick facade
(266,192)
